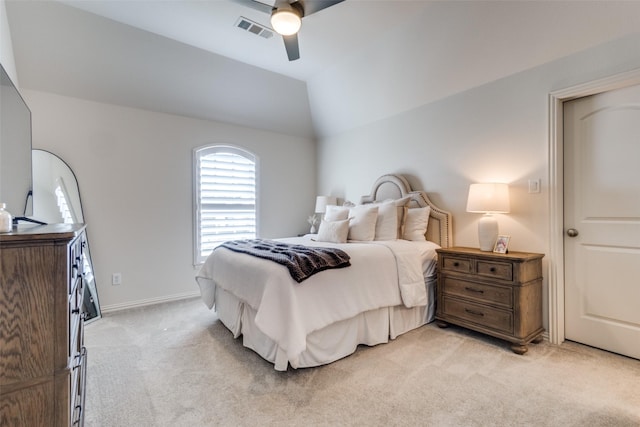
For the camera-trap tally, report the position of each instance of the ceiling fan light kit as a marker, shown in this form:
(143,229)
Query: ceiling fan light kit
(286,20)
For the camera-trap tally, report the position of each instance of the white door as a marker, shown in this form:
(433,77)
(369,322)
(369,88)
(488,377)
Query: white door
(602,206)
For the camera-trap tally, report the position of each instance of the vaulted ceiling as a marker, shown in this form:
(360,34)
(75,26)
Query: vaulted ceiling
(361,60)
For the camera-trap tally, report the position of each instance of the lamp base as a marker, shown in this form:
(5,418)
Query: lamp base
(487,232)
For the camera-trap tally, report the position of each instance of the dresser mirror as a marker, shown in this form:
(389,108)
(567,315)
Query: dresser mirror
(56,199)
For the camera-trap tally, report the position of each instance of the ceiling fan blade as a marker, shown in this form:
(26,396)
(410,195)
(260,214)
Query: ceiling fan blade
(291,45)
(313,6)
(254,4)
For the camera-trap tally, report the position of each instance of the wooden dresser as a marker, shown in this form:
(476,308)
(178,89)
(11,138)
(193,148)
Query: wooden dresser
(497,294)
(42,356)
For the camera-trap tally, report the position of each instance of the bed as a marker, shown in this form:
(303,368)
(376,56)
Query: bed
(388,289)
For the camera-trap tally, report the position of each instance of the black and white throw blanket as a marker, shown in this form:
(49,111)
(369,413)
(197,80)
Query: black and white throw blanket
(301,261)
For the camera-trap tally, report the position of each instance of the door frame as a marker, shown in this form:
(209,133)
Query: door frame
(556,265)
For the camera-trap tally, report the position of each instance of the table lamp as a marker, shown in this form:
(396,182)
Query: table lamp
(488,198)
(321,207)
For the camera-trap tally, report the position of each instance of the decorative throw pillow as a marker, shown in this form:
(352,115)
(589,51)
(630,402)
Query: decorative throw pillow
(387,222)
(333,231)
(336,213)
(362,225)
(403,206)
(415,224)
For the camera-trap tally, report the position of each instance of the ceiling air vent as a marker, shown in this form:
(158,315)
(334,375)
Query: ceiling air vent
(253,27)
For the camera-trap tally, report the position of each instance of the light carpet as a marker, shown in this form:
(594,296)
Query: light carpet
(175,364)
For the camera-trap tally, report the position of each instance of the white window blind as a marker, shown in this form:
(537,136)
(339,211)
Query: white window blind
(225,196)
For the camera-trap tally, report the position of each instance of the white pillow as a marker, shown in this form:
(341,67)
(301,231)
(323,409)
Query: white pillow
(362,222)
(403,206)
(333,231)
(336,213)
(415,224)
(387,222)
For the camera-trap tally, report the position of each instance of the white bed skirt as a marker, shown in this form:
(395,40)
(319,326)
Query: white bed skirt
(328,344)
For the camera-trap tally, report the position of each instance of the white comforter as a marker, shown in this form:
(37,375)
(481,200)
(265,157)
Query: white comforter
(381,274)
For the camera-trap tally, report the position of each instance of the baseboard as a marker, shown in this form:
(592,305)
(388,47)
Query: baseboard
(151,301)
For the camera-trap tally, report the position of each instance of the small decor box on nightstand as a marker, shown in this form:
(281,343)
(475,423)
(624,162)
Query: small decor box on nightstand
(496,294)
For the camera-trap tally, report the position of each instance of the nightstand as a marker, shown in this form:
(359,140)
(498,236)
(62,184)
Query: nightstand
(496,294)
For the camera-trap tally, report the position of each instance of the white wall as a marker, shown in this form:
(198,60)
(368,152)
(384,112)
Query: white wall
(495,132)
(6,48)
(134,169)
(453,46)
(62,49)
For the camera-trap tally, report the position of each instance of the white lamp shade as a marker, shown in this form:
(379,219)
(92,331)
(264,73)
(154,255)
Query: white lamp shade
(286,21)
(322,202)
(488,198)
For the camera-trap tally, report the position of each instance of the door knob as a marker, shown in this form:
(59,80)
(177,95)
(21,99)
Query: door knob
(572,232)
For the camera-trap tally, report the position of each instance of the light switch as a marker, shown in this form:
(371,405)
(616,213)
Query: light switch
(534,186)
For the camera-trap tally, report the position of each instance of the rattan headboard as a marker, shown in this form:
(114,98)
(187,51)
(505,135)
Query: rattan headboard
(393,186)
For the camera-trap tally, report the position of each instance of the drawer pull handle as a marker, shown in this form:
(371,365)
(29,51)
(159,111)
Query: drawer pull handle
(492,269)
(475,313)
(77,413)
(75,311)
(79,357)
(478,291)
(456,264)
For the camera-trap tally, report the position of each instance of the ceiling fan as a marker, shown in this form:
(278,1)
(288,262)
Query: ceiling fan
(286,18)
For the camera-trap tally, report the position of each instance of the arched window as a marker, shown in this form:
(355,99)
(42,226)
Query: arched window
(225,197)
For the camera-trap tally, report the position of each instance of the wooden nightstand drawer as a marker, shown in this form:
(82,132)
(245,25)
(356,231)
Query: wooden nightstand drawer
(497,270)
(496,294)
(463,265)
(493,318)
(479,291)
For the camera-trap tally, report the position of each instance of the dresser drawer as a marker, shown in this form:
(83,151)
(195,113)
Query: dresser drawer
(497,270)
(493,318)
(75,262)
(462,265)
(75,319)
(28,407)
(78,384)
(480,292)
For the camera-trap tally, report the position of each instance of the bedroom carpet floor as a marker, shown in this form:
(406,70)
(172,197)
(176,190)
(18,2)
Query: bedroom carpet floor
(175,364)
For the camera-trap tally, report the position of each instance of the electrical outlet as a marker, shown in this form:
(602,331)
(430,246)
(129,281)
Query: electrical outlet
(116,279)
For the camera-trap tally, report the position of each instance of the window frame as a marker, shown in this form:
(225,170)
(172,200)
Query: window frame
(205,150)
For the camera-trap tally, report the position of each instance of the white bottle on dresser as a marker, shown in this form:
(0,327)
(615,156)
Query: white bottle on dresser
(5,219)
